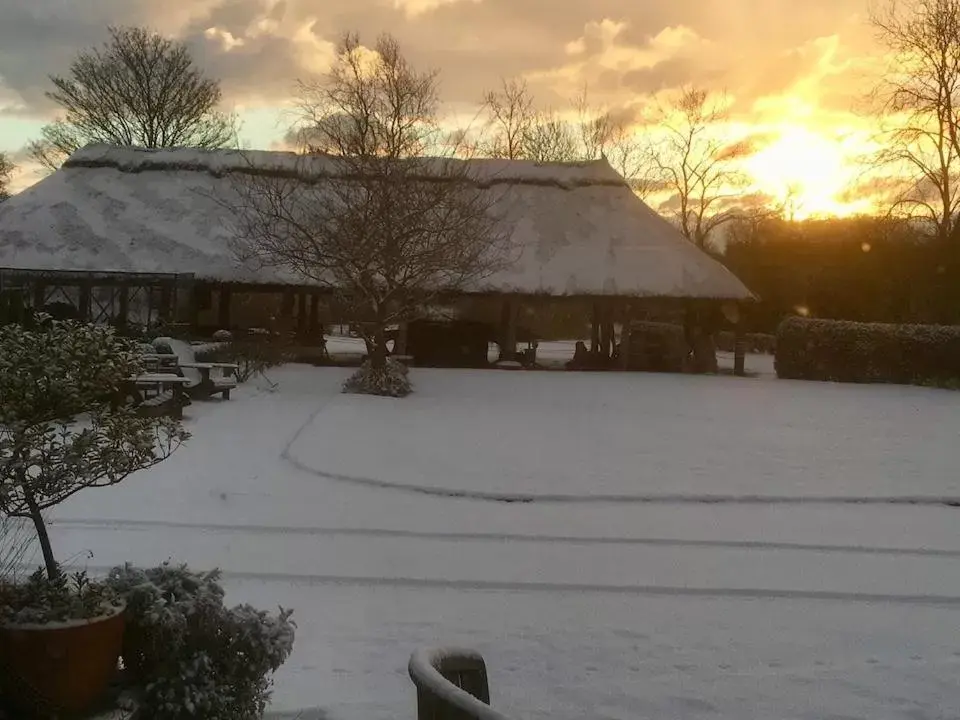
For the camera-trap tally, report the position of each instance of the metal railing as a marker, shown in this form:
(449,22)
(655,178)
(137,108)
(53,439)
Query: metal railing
(451,685)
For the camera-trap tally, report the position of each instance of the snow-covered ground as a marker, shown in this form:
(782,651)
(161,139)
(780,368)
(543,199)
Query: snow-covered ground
(675,546)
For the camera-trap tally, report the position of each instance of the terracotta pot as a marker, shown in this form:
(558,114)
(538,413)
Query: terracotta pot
(60,667)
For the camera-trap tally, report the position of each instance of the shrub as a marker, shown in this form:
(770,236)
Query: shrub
(390,381)
(63,425)
(845,351)
(191,657)
(253,355)
(42,600)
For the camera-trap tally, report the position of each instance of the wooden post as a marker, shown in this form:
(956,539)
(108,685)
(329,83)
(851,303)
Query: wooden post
(123,309)
(508,329)
(739,346)
(302,320)
(606,330)
(86,297)
(400,345)
(595,329)
(223,309)
(39,295)
(314,314)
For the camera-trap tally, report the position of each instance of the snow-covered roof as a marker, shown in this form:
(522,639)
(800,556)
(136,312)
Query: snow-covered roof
(580,228)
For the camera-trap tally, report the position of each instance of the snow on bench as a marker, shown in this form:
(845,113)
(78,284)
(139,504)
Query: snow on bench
(451,685)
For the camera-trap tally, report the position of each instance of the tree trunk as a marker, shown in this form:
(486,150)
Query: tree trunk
(378,358)
(48,560)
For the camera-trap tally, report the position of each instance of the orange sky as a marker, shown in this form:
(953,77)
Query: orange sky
(796,72)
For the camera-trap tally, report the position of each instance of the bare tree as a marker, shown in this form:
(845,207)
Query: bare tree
(139,88)
(517,130)
(6,175)
(608,134)
(387,231)
(919,101)
(510,120)
(552,139)
(370,104)
(696,164)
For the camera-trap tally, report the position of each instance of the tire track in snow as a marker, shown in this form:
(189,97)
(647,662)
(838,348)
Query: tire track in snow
(135,525)
(599,499)
(577,588)
(287,456)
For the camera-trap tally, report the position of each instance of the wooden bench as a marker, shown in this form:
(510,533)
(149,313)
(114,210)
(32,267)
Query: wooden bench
(158,394)
(202,381)
(160,362)
(208,383)
(451,685)
(165,403)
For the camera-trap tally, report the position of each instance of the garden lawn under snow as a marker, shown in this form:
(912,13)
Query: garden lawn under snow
(674,547)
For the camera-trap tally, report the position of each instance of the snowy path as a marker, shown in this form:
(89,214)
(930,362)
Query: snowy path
(583,609)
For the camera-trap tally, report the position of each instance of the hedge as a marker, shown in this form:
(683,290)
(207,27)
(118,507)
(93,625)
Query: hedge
(843,351)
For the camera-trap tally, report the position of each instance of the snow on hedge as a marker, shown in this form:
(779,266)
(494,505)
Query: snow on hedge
(845,351)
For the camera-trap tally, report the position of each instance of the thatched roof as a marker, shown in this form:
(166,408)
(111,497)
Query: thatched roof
(581,229)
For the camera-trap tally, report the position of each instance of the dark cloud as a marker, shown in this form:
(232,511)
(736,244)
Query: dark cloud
(671,73)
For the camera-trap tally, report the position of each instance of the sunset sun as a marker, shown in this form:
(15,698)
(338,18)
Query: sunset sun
(804,170)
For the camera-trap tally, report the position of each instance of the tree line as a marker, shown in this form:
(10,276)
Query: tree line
(868,269)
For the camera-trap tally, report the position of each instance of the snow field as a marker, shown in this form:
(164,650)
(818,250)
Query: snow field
(582,606)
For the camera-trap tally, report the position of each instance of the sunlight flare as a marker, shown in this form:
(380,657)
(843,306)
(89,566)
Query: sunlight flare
(805,171)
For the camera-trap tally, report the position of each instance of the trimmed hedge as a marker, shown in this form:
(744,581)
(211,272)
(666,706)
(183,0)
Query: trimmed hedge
(843,351)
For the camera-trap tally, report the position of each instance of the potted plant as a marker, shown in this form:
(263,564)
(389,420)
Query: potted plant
(62,430)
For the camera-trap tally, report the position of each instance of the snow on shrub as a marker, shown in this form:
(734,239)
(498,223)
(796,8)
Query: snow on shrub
(844,351)
(390,381)
(65,424)
(189,656)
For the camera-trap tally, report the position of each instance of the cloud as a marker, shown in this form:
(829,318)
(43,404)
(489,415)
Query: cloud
(764,52)
(258,47)
(605,59)
(413,8)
